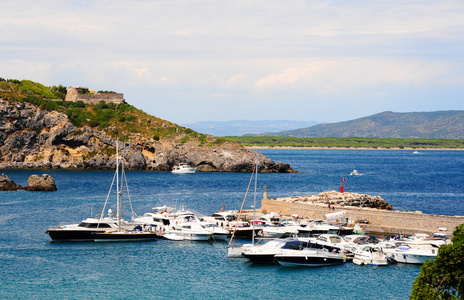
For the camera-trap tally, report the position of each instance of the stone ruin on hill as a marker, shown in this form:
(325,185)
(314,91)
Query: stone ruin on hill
(74,95)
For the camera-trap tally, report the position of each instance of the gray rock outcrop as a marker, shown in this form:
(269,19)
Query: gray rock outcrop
(6,184)
(44,183)
(33,138)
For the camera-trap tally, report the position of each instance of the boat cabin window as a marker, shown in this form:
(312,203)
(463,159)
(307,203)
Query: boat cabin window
(231,218)
(335,239)
(94,225)
(187,227)
(294,245)
(218,217)
(163,221)
(322,238)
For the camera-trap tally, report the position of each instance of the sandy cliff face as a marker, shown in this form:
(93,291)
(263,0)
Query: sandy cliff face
(33,138)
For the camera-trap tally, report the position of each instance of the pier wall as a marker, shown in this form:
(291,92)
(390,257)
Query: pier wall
(386,222)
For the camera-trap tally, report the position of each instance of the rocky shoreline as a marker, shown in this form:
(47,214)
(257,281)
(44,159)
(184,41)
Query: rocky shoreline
(35,138)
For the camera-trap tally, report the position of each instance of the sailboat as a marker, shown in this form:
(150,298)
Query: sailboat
(86,230)
(237,251)
(122,233)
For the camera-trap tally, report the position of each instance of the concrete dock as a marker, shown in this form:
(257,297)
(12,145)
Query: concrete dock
(381,221)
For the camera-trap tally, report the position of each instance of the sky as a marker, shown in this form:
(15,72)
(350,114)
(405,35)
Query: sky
(190,61)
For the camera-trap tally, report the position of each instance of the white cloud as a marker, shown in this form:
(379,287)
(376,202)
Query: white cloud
(339,75)
(240,51)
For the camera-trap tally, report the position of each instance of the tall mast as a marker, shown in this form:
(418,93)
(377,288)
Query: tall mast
(118,200)
(122,177)
(254,202)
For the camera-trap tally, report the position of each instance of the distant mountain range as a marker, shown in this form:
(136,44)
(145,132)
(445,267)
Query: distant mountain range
(246,127)
(437,124)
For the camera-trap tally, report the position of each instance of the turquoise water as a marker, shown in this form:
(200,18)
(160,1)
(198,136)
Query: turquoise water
(32,267)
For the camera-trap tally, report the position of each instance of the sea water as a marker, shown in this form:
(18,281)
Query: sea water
(33,267)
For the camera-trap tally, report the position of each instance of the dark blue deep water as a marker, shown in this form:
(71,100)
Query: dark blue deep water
(32,267)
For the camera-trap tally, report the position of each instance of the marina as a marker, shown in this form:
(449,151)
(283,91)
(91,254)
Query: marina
(36,267)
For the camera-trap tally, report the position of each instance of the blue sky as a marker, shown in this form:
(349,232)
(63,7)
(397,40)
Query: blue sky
(189,61)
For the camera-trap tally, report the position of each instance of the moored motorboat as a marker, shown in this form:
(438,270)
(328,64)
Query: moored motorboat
(269,231)
(83,231)
(407,255)
(370,255)
(309,258)
(191,231)
(264,254)
(318,227)
(230,221)
(219,234)
(183,168)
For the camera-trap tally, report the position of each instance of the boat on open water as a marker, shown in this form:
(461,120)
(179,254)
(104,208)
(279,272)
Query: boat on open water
(183,168)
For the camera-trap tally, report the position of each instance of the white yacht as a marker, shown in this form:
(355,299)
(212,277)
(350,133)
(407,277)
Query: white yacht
(264,254)
(191,231)
(370,255)
(409,255)
(273,231)
(84,230)
(309,257)
(318,227)
(229,220)
(183,169)
(111,228)
(219,233)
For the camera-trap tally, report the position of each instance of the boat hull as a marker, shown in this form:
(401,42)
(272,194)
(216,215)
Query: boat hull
(245,233)
(124,236)
(408,258)
(309,260)
(63,235)
(220,236)
(370,261)
(186,236)
(260,258)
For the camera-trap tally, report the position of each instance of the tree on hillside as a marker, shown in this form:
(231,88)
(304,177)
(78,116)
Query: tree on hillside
(443,278)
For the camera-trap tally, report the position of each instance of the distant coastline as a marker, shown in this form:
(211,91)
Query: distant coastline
(346,148)
(348,143)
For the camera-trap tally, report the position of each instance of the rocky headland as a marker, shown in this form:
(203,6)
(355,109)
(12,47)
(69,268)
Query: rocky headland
(34,138)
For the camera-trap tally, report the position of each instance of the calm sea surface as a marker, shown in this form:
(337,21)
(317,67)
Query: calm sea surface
(32,267)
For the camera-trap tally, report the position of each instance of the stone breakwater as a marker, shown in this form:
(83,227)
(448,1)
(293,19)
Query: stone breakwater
(342,199)
(381,221)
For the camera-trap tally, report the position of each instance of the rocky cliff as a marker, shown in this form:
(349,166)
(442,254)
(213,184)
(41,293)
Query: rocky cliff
(35,138)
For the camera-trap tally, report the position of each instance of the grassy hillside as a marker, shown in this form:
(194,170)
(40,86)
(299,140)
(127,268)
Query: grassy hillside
(387,143)
(123,121)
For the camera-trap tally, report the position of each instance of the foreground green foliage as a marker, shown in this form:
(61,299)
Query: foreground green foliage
(443,278)
(353,142)
(123,120)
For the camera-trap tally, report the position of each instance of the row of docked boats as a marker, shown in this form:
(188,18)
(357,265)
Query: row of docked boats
(330,249)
